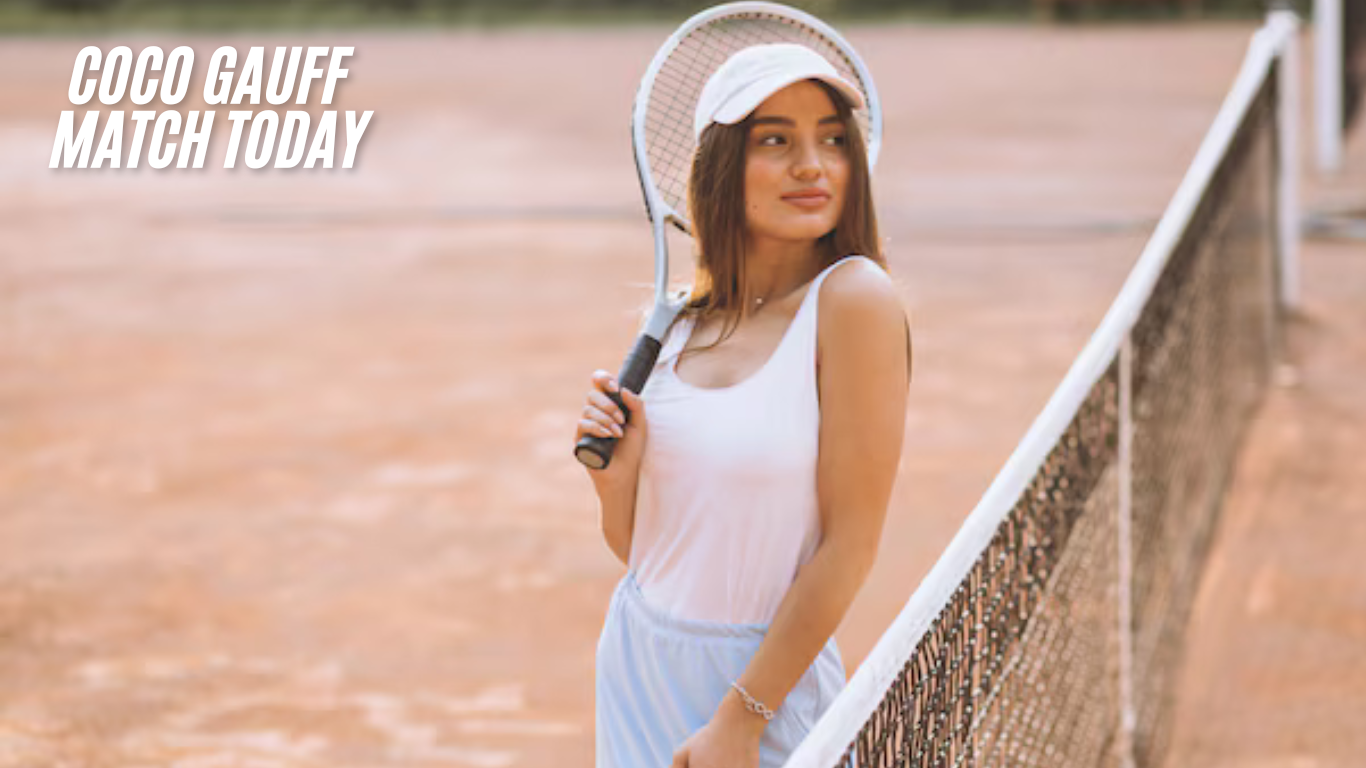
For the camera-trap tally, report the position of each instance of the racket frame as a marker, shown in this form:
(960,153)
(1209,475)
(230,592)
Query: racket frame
(595,451)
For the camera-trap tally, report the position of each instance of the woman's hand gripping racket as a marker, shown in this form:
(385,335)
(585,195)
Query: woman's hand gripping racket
(663,143)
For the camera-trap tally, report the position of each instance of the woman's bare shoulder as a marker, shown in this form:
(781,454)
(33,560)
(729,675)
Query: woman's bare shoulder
(861,312)
(857,291)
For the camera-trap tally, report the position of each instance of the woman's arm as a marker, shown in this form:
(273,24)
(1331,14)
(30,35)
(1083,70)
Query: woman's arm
(616,513)
(864,376)
(616,483)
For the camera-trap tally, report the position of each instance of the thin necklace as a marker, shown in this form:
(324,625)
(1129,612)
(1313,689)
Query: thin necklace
(759,300)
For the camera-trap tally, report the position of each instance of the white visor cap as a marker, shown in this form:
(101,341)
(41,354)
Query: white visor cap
(753,74)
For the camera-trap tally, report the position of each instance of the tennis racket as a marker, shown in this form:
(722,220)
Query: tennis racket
(662,140)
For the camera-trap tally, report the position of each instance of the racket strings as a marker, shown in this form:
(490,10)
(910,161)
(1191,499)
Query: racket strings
(672,97)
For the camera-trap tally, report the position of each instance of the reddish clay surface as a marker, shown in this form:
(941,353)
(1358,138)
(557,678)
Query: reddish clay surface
(287,476)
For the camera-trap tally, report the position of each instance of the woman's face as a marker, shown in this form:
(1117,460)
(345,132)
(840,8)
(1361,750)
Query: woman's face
(796,166)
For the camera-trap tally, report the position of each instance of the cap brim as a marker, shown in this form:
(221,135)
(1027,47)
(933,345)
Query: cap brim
(749,98)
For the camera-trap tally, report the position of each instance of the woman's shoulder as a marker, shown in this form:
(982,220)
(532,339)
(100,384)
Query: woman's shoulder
(859,287)
(860,308)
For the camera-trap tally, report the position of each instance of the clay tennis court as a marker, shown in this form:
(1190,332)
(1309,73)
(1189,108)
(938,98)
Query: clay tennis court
(286,473)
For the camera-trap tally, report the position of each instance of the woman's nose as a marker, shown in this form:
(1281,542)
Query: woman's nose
(807,163)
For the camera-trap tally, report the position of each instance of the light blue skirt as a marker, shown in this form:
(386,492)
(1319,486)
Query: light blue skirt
(659,679)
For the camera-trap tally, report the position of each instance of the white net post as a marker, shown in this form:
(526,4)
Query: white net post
(1328,83)
(1287,116)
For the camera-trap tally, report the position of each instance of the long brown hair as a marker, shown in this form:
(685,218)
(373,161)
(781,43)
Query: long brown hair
(716,200)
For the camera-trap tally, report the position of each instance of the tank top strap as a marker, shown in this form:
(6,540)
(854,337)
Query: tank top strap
(816,282)
(812,297)
(681,329)
(674,339)
(796,353)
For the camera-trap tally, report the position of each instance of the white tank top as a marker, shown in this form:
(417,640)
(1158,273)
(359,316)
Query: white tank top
(726,507)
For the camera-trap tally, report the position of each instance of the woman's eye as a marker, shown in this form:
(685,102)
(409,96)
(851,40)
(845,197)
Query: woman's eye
(777,140)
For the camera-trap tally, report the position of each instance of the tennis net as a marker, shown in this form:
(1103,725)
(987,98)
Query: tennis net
(1050,631)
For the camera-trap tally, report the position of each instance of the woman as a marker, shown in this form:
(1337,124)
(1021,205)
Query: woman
(748,490)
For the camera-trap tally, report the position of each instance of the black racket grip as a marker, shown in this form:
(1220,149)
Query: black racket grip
(594,451)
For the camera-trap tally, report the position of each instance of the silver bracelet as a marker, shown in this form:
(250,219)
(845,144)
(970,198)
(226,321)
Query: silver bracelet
(752,704)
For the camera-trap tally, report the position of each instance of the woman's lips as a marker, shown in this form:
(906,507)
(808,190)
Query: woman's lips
(810,199)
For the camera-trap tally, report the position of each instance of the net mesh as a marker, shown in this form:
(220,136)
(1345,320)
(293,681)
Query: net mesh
(1202,348)
(672,98)
(1021,667)
(1016,669)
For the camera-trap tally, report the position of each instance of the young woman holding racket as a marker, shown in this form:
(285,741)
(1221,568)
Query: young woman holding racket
(749,486)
